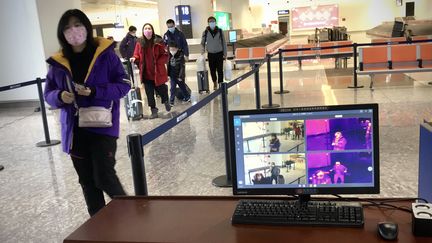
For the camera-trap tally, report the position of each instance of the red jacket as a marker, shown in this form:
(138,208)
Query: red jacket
(160,56)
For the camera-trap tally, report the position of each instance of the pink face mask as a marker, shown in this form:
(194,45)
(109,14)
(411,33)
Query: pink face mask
(148,33)
(76,36)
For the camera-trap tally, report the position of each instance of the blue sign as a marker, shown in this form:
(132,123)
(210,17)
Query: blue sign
(283,12)
(185,14)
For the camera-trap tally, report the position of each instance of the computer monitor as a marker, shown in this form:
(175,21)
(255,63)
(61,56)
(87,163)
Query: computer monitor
(305,150)
(232,34)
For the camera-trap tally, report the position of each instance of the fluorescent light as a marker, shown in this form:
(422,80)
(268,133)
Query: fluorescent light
(142,1)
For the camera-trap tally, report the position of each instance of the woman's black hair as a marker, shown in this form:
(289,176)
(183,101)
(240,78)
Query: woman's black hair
(64,21)
(144,42)
(211,18)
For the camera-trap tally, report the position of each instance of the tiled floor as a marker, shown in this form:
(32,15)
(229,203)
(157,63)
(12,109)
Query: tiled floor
(41,200)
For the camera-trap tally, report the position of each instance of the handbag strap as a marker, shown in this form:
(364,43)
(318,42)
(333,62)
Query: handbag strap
(69,84)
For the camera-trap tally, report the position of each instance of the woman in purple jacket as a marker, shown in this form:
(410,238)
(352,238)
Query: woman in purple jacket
(97,77)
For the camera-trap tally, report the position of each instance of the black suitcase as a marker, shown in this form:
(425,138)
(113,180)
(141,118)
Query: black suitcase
(203,82)
(133,100)
(280,179)
(179,94)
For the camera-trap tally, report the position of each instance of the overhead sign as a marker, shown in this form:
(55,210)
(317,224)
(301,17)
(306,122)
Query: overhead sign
(183,13)
(283,12)
(315,17)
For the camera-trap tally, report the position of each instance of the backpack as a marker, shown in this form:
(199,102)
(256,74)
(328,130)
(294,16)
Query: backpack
(220,35)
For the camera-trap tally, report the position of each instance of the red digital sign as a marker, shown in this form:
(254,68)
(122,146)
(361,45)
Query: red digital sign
(315,17)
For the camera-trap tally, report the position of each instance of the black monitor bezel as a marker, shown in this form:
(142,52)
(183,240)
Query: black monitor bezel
(306,191)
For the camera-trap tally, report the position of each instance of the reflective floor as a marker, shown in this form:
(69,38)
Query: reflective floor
(41,200)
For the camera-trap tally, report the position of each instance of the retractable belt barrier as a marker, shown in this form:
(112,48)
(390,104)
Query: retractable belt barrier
(137,141)
(38,82)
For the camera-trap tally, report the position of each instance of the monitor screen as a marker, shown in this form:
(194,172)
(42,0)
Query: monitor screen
(232,36)
(305,150)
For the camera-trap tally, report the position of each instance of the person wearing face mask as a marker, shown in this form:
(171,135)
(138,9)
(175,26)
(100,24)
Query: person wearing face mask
(176,72)
(175,35)
(151,57)
(214,41)
(87,72)
(127,45)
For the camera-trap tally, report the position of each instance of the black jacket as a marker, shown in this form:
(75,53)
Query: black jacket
(127,46)
(176,65)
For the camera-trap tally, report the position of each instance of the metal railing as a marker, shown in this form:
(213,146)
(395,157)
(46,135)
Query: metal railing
(38,82)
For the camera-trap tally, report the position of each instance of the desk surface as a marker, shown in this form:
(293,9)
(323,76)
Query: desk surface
(208,219)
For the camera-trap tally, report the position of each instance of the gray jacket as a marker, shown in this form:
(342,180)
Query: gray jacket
(213,44)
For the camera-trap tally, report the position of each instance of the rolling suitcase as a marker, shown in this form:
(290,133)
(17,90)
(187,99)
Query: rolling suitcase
(179,94)
(280,179)
(133,100)
(203,82)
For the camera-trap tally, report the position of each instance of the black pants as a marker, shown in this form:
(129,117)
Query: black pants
(150,87)
(216,64)
(93,157)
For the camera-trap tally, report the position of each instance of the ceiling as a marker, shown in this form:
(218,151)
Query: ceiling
(97,5)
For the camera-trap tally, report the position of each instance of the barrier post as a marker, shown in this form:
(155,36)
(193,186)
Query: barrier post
(281,91)
(257,87)
(136,153)
(48,141)
(355,68)
(225,180)
(269,85)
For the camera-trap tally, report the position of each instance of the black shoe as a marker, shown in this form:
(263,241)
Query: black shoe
(154,113)
(167,106)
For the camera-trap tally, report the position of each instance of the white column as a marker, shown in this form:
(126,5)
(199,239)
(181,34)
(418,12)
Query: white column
(201,10)
(49,12)
(22,55)
(29,39)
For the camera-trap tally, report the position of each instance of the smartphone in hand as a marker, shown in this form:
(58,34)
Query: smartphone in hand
(79,86)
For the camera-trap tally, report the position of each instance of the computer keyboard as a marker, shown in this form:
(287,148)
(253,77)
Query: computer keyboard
(312,213)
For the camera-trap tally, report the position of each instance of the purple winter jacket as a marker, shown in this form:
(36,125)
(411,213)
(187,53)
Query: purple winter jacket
(105,75)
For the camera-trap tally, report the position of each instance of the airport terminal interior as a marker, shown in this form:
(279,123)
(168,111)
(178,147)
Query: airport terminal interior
(41,199)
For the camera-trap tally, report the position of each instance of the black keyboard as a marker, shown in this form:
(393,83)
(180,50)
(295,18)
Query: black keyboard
(285,212)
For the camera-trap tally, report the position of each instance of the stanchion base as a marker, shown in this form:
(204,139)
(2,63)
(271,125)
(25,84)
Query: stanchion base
(356,87)
(270,106)
(45,144)
(221,181)
(1,167)
(282,92)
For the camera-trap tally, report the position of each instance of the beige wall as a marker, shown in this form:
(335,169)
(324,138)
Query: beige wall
(201,10)
(127,15)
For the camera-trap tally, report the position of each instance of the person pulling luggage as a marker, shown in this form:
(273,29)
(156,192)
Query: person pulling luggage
(150,56)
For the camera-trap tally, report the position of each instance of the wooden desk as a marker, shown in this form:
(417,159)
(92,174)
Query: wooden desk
(207,219)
